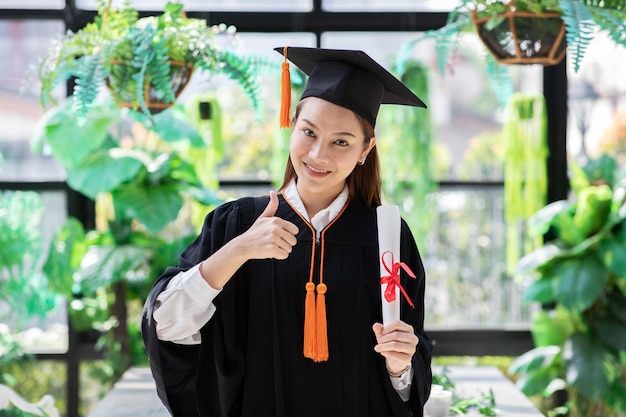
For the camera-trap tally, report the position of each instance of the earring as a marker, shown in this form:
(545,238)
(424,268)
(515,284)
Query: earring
(362,161)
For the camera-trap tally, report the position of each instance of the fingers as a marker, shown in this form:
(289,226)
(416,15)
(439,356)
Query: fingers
(397,341)
(272,206)
(270,236)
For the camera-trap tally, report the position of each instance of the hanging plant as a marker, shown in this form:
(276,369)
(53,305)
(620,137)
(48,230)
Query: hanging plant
(512,36)
(144,62)
(525,183)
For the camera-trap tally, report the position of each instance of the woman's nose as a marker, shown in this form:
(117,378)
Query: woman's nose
(317,151)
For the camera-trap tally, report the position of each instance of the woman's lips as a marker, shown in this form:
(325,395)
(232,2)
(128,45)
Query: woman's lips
(315,171)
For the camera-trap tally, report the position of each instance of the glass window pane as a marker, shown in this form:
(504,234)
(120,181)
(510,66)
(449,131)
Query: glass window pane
(597,102)
(466,283)
(216,5)
(389,6)
(23,42)
(37,334)
(33,4)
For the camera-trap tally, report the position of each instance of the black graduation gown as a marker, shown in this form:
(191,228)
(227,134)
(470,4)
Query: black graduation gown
(250,361)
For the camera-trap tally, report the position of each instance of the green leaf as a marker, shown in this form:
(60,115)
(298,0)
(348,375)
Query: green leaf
(611,331)
(105,265)
(71,142)
(617,305)
(172,125)
(581,282)
(538,381)
(154,207)
(203,196)
(567,230)
(551,328)
(104,171)
(536,369)
(535,359)
(616,397)
(67,249)
(601,169)
(541,290)
(613,255)
(537,259)
(591,368)
(579,28)
(540,222)
(621,284)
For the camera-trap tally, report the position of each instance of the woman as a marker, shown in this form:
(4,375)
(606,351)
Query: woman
(275,310)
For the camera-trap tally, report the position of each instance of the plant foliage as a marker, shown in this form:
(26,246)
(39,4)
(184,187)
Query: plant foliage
(581,274)
(583,19)
(140,58)
(22,286)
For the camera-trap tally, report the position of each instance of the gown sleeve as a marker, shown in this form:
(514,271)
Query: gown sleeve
(173,365)
(421,363)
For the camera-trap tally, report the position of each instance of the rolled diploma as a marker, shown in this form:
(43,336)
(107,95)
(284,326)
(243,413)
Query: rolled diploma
(388,240)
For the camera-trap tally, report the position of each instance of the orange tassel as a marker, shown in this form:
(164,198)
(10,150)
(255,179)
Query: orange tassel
(309,321)
(285,94)
(321,336)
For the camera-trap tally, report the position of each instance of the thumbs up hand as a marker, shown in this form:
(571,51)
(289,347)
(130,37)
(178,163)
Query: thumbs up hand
(269,236)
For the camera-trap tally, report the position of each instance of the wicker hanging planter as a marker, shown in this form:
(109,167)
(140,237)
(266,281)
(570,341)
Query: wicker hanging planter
(155,101)
(523,37)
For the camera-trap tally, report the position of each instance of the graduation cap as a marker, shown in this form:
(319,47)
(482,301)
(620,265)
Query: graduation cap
(348,78)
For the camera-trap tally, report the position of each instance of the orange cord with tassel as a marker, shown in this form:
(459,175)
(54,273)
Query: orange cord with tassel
(309,321)
(321,335)
(285,94)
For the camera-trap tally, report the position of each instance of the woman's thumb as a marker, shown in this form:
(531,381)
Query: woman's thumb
(272,206)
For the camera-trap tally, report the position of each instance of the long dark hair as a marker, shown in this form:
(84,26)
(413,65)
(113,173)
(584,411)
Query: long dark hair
(364,182)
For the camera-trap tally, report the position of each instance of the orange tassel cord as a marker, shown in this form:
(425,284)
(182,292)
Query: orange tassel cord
(285,94)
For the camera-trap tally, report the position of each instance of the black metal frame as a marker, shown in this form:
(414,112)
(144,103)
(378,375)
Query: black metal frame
(449,342)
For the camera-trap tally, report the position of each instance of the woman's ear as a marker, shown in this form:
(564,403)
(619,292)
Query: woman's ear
(369,147)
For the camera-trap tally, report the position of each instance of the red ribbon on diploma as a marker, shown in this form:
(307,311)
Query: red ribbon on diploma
(393,279)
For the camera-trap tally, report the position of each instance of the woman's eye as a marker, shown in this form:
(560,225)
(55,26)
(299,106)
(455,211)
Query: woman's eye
(342,142)
(308,132)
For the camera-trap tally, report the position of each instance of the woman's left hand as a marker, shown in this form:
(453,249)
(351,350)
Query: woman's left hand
(397,343)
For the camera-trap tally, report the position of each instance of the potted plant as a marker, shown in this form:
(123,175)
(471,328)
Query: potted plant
(531,31)
(144,62)
(580,278)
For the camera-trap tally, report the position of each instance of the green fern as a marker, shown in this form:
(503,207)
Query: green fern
(447,38)
(499,79)
(159,70)
(240,70)
(120,73)
(143,54)
(580,28)
(611,21)
(90,77)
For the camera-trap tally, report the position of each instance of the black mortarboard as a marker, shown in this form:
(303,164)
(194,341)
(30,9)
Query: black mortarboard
(350,79)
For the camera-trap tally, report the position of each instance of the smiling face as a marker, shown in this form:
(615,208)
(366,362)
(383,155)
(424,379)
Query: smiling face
(326,144)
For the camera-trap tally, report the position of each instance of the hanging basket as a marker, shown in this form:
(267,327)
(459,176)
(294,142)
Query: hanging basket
(524,37)
(180,74)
